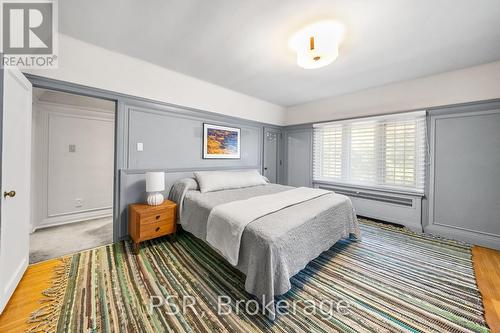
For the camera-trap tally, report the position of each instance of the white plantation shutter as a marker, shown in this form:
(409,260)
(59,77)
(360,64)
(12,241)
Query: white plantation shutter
(363,153)
(327,161)
(404,146)
(386,151)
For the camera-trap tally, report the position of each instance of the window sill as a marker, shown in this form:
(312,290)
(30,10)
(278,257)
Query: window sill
(383,189)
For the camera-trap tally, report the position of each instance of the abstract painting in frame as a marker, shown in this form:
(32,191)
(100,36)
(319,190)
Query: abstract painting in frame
(221,142)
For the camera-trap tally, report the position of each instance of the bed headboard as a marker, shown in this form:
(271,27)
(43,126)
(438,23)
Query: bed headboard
(132,188)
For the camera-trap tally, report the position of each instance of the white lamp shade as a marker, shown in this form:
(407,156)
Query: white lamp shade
(155,181)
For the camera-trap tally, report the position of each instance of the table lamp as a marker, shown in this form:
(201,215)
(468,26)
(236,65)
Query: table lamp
(155,184)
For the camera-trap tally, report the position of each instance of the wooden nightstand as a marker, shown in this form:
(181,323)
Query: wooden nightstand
(148,222)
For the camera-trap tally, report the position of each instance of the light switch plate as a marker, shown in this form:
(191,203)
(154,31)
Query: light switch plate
(140,146)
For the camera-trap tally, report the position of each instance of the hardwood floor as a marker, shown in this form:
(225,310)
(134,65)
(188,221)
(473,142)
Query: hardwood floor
(38,276)
(26,298)
(487,268)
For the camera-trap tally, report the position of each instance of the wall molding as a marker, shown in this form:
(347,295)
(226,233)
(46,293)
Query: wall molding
(132,187)
(75,212)
(433,121)
(131,109)
(432,225)
(181,170)
(75,218)
(308,131)
(469,237)
(44,112)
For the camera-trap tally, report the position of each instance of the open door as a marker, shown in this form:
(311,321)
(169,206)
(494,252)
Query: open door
(15,181)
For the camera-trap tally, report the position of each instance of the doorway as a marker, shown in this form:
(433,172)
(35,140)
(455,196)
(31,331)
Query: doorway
(72,173)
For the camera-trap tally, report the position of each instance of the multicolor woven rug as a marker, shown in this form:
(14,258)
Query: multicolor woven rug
(391,281)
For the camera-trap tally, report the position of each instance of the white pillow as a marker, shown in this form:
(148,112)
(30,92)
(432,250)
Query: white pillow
(223,180)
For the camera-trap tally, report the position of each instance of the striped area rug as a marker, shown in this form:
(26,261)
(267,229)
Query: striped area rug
(390,281)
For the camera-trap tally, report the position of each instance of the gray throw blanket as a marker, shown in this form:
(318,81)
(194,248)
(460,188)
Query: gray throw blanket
(276,246)
(226,222)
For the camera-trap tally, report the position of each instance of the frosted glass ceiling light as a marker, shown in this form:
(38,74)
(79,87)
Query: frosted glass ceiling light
(317,45)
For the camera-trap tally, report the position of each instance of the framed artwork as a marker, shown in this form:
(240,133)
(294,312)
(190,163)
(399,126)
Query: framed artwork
(221,142)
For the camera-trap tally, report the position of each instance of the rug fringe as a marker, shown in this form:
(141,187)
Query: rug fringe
(45,318)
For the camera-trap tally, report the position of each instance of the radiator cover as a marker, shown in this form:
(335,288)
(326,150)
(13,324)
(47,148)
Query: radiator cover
(403,209)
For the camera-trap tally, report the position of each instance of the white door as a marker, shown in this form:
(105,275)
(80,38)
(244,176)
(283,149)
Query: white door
(15,181)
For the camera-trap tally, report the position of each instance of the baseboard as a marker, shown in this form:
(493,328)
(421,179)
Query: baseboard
(471,237)
(80,217)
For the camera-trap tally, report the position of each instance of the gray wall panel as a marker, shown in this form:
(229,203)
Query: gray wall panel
(467,172)
(173,141)
(298,152)
(464,193)
(172,137)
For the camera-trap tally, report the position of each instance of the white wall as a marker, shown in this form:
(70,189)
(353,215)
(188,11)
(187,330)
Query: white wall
(90,65)
(87,64)
(460,86)
(71,186)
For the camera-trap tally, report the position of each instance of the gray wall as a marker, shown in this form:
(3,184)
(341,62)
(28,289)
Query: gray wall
(175,141)
(172,142)
(464,174)
(172,138)
(137,118)
(298,155)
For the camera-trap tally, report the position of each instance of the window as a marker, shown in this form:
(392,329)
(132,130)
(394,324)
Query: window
(386,151)
(328,157)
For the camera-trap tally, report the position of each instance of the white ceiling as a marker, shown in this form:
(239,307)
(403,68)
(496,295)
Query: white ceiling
(242,45)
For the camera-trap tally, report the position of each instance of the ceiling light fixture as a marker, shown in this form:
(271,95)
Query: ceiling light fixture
(317,45)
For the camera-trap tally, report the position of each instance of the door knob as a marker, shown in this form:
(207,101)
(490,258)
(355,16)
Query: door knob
(9,194)
(265,168)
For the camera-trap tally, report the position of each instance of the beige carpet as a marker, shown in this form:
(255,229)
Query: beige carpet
(57,241)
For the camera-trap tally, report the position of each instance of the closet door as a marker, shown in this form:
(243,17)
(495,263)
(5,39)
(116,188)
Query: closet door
(464,193)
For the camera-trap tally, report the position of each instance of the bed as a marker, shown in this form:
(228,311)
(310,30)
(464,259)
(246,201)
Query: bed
(276,245)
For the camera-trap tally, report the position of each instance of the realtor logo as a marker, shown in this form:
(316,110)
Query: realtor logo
(29,33)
